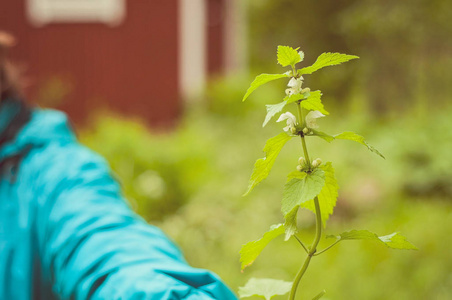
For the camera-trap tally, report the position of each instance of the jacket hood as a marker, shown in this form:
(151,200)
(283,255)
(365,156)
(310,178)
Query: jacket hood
(43,127)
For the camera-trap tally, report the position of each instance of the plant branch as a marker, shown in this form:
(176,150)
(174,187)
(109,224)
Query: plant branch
(301,243)
(327,248)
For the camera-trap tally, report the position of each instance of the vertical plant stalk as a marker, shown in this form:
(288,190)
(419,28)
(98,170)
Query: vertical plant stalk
(318,222)
(303,142)
(312,250)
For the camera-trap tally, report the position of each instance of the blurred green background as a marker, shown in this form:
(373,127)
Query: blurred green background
(189,180)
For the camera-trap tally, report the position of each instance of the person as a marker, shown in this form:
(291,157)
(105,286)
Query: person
(65,230)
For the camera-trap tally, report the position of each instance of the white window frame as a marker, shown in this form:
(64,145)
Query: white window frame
(42,12)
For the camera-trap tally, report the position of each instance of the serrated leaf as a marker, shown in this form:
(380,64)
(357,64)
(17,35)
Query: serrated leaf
(348,135)
(273,109)
(263,166)
(298,191)
(288,56)
(313,102)
(260,80)
(328,195)
(250,251)
(394,240)
(320,295)
(325,60)
(265,287)
(290,224)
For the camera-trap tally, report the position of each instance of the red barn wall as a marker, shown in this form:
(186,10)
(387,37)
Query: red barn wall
(216,19)
(131,68)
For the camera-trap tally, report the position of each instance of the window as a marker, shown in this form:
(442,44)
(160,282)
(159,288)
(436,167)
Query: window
(41,12)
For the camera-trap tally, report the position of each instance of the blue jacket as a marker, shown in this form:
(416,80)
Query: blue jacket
(66,231)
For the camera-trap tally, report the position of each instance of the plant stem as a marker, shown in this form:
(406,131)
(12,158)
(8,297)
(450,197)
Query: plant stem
(303,142)
(318,220)
(312,251)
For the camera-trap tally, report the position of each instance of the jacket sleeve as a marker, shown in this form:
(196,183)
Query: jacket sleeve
(92,246)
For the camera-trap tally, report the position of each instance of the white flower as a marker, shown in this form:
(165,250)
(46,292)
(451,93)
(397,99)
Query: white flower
(305,90)
(294,86)
(301,53)
(311,118)
(291,121)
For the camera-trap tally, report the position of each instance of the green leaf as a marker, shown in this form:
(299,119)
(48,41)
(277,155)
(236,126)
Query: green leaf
(320,295)
(260,80)
(293,98)
(288,56)
(265,287)
(348,135)
(263,166)
(290,224)
(273,109)
(397,241)
(328,195)
(310,101)
(323,135)
(296,174)
(250,251)
(298,191)
(313,102)
(394,240)
(325,60)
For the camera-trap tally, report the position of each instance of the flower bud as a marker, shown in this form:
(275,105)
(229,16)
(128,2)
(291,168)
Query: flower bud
(299,168)
(293,130)
(317,162)
(305,130)
(301,160)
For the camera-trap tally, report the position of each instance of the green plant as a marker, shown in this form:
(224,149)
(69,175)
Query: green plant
(313,185)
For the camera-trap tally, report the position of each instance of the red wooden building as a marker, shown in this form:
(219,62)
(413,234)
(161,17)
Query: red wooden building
(136,57)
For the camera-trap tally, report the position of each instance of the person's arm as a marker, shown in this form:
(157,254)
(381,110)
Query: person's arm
(93,246)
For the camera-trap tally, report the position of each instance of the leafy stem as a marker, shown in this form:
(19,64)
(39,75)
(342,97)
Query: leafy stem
(303,142)
(318,221)
(312,251)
